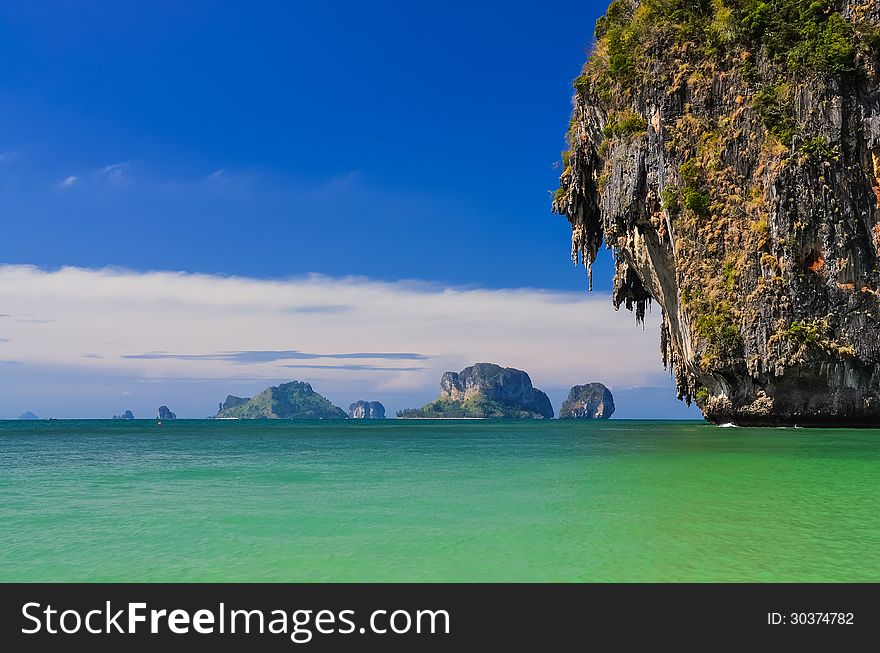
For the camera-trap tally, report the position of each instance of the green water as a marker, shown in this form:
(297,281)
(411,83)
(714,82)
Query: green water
(436,501)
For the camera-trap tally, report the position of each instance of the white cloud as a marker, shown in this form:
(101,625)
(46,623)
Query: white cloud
(116,173)
(195,327)
(67,182)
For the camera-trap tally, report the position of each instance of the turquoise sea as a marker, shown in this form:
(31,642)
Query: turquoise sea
(403,500)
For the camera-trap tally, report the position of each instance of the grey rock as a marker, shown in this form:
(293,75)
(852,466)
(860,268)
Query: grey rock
(27,415)
(366,410)
(486,390)
(126,415)
(506,385)
(165,413)
(232,401)
(590,401)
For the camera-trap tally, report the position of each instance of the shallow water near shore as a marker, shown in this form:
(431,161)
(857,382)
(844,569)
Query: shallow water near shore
(420,500)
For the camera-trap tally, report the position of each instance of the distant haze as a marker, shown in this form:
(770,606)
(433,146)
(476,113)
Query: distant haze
(93,343)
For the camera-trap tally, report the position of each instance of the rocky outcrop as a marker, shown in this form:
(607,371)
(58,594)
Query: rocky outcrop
(486,390)
(165,413)
(366,410)
(294,400)
(126,415)
(729,154)
(27,415)
(590,401)
(232,401)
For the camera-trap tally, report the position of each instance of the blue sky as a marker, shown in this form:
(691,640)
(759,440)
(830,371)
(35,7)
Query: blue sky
(390,141)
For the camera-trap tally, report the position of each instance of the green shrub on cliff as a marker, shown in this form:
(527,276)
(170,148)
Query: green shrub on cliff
(775,112)
(670,200)
(802,37)
(807,34)
(624,125)
(807,333)
(696,201)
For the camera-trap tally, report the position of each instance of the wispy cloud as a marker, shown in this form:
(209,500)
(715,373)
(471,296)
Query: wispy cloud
(230,179)
(219,175)
(244,357)
(319,308)
(357,368)
(4,339)
(116,173)
(26,318)
(67,182)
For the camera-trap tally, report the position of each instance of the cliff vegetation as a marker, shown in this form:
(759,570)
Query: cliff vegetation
(728,152)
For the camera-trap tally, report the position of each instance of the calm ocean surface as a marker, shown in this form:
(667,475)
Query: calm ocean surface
(436,501)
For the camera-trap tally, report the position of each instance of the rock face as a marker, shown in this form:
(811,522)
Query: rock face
(730,156)
(486,390)
(232,401)
(126,415)
(294,400)
(27,415)
(366,410)
(165,413)
(590,401)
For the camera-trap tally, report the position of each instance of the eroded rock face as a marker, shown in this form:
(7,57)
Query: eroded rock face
(504,385)
(165,413)
(232,402)
(126,415)
(366,410)
(730,156)
(590,401)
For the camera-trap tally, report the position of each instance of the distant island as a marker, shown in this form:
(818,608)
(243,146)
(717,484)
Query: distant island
(590,401)
(165,413)
(27,415)
(294,400)
(126,415)
(485,390)
(366,410)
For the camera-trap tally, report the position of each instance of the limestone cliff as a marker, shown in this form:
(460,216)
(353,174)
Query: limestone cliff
(486,390)
(728,152)
(366,410)
(232,401)
(590,401)
(165,413)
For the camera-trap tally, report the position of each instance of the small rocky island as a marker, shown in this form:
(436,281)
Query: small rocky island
(27,415)
(126,415)
(294,400)
(366,410)
(485,390)
(590,401)
(165,413)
